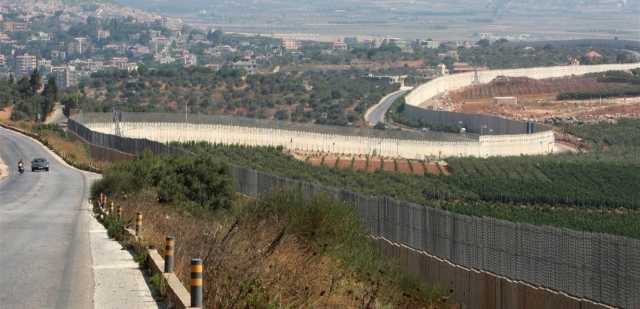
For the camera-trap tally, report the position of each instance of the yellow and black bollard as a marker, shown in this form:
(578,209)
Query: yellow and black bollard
(138,224)
(105,202)
(169,250)
(196,283)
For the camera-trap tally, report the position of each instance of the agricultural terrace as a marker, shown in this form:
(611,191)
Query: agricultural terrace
(372,164)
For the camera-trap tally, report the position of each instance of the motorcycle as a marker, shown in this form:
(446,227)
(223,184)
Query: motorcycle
(20,168)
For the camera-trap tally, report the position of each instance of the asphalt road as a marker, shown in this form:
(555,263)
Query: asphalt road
(376,113)
(45,255)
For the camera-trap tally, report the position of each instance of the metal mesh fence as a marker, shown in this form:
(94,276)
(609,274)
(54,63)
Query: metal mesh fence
(599,267)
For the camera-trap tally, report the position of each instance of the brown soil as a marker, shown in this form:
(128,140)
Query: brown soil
(359,163)
(344,163)
(374,165)
(388,165)
(330,161)
(315,161)
(432,168)
(404,166)
(536,99)
(418,167)
(5,114)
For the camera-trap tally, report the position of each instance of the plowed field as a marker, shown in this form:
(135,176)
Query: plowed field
(373,164)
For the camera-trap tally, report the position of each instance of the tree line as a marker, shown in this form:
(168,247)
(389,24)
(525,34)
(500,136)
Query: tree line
(31,100)
(331,97)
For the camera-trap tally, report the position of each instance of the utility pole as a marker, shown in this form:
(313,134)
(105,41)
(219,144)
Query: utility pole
(117,117)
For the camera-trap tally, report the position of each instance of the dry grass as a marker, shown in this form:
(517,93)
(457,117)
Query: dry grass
(5,114)
(73,150)
(70,149)
(253,261)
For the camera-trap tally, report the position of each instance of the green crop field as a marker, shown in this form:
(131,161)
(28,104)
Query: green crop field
(596,191)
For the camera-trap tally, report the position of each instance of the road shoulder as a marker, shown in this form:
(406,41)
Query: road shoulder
(119,281)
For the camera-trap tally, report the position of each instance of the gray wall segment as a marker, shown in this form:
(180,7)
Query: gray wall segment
(396,144)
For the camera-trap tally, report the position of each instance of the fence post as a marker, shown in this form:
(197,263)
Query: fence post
(169,250)
(196,283)
(138,224)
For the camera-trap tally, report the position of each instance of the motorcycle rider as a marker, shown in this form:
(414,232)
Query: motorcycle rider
(20,166)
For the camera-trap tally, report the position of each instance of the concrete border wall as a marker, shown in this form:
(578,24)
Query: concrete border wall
(429,90)
(485,146)
(420,107)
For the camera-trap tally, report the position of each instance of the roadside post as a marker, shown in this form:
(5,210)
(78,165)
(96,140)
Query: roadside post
(138,224)
(169,249)
(196,283)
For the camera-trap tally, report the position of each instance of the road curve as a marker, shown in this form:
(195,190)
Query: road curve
(375,114)
(45,256)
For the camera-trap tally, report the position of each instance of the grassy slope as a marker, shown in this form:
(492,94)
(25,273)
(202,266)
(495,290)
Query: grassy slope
(280,251)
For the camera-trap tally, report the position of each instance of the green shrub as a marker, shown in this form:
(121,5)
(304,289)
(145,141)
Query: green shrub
(198,180)
(115,227)
(613,92)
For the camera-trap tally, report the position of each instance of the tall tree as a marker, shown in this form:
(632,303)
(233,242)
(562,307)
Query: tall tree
(24,87)
(35,81)
(70,102)
(46,106)
(51,90)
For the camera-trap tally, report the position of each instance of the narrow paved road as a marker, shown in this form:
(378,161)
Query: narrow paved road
(376,113)
(45,256)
